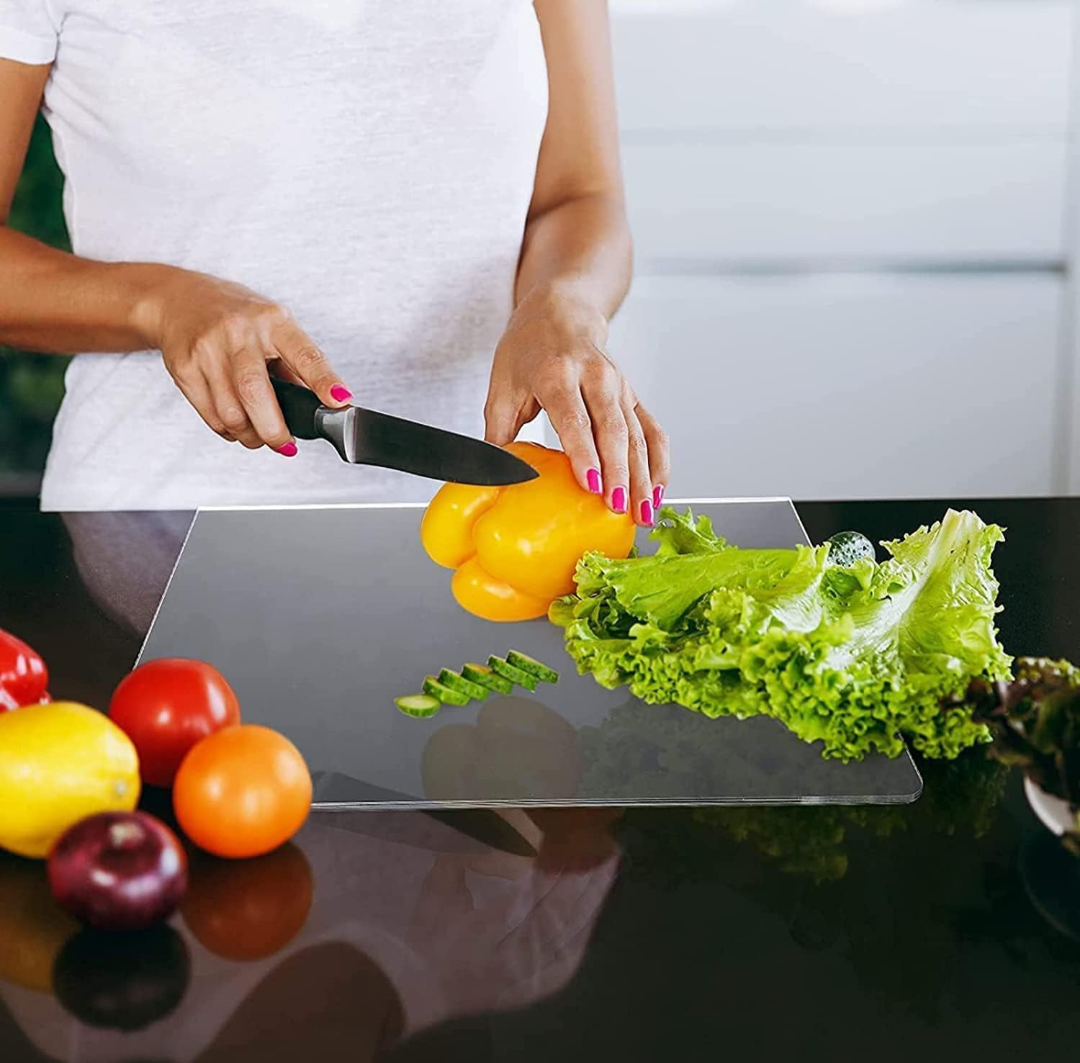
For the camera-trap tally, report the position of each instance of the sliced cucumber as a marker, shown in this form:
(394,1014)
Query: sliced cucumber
(515,675)
(451,679)
(418,705)
(485,677)
(532,666)
(447,696)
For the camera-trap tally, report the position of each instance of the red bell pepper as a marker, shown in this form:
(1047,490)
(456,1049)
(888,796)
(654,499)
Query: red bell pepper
(23,675)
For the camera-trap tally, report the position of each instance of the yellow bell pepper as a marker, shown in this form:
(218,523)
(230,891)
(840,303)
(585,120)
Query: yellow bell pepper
(514,549)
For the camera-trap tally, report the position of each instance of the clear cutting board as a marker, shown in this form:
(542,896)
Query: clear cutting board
(320,617)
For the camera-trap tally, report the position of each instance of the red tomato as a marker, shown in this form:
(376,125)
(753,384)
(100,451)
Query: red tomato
(166,707)
(242,792)
(249,909)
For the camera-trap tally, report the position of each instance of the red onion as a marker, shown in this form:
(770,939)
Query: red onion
(118,871)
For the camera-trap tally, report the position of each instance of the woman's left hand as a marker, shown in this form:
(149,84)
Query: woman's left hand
(552,358)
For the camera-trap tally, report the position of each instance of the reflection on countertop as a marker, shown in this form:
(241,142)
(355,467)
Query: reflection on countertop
(366,929)
(774,932)
(125,559)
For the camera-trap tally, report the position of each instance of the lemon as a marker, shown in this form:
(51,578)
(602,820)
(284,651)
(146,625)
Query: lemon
(59,763)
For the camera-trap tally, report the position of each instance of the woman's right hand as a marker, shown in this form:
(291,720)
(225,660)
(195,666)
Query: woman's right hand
(217,338)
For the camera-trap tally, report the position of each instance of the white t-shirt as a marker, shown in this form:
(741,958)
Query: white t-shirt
(367,163)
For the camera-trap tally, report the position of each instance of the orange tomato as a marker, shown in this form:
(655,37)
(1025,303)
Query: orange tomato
(248,910)
(242,792)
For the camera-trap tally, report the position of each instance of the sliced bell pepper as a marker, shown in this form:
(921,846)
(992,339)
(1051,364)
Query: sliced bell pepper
(23,675)
(514,549)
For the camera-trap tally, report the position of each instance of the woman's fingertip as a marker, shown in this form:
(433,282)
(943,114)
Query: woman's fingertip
(592,480)
(618,500)
(287,449)
(340,393)
(647,513)
(658,496)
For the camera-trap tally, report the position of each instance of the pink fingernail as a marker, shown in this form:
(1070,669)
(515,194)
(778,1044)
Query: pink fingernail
(618,500)
(657,496)
(340,393)
(592,478)
(288,449)
(646,513)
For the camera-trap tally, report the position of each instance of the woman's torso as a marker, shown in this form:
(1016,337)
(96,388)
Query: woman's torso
(367,163)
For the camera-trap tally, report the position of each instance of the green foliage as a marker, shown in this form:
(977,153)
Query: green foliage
(31,385)
(1035,721)
(37,209)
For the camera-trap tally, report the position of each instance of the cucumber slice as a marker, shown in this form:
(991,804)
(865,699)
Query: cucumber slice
(532,666)
(447,696)
(419,705)
(485,677)
(462,685)
(515,675)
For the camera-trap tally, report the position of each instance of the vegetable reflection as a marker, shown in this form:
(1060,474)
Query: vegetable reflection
(960,798)
(33,927)
(518,749)
(123,981)
(1051,876)
(248,909)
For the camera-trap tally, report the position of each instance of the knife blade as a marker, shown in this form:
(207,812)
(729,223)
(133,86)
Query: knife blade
(367,437)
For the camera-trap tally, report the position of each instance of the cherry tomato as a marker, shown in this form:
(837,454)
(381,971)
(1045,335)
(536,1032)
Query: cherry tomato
(242,792)
(166,707)
(248,909)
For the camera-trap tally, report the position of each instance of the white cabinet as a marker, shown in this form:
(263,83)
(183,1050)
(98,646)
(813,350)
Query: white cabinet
(852,227)
(932,65)
(848,386)
(692,203)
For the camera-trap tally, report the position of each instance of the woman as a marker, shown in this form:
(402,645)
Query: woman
(364,196)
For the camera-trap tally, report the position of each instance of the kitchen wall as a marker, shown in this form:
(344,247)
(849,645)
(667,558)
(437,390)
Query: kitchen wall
(854,223)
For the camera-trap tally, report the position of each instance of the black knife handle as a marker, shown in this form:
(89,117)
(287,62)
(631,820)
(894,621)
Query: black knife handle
(298,406)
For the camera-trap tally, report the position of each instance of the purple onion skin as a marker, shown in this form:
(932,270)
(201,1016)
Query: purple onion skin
(118,871)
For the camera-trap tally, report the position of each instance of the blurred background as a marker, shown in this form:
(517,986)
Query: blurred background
(855,223)
(32,385)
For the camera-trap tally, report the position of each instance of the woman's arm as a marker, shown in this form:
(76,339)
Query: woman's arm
(216,338)
(50,300)
(573,275)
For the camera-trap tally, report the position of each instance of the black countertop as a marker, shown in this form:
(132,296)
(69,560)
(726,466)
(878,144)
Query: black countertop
(947,927)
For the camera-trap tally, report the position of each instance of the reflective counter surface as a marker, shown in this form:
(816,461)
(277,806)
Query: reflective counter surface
(944,927)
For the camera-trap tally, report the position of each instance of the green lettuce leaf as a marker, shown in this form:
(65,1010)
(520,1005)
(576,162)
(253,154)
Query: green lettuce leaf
(857,658)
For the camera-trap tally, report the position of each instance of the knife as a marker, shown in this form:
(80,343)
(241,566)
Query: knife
(366,437)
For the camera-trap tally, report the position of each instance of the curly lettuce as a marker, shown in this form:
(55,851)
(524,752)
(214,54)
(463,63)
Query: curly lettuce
(857,658)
